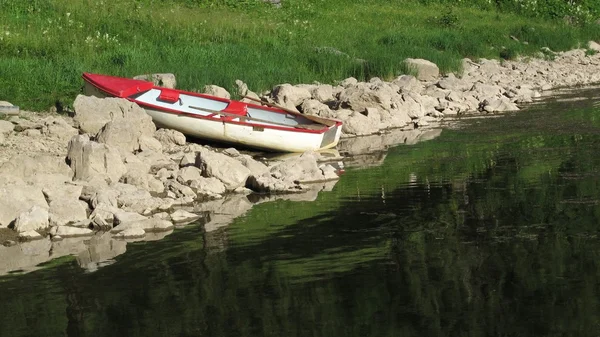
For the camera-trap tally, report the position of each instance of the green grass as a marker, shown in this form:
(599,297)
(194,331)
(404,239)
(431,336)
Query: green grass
(46,45)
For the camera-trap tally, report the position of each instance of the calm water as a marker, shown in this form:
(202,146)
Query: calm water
(490,229)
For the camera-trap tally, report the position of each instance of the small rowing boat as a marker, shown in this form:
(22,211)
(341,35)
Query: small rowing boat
(204,116)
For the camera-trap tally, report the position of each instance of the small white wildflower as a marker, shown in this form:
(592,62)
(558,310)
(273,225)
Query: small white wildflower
(68,14)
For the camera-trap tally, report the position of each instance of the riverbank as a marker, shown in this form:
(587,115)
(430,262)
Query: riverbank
(106,175)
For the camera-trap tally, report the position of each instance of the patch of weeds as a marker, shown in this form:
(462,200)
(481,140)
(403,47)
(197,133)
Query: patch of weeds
(591,52)
(508,53)
(447,20)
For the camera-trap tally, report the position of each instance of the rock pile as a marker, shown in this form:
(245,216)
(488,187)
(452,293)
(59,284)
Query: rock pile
(119,172)
(409,101)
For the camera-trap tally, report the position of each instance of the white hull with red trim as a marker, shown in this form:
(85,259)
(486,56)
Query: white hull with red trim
(219,119)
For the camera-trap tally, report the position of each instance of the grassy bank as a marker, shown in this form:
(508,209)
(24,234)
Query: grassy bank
(46,45)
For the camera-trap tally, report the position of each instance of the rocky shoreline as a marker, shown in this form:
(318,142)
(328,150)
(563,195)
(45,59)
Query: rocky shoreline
(86,185)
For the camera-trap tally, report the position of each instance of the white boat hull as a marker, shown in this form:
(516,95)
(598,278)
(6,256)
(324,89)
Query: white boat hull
(263,138)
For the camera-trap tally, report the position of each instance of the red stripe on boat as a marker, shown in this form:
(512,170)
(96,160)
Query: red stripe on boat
(118,86)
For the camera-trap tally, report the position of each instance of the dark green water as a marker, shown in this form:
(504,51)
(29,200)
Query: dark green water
(490,229)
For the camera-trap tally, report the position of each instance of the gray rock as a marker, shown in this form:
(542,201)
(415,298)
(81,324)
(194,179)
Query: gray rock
(62,191)
(58,128)
(148,225)
(30,235)
(122,217)
(125,129)
(451,82)
(361,96)
(181,215)
(323,93)
(228,170)
(150,144)
(593,46)
(180,190)
(316,108)
(92,113)
(407,83)
(166,80)
(290,96)
(157,161)
(426,70)
(32,133)
(298,169)
(268,184)
(169,138)
(137,174)
(6,127)
(349,82)
(212,187)
(67,211)
(131,233)
(39,169)
(70,232)
(33,219)
(484,91)
(188,173)
(255,167)
(25,124)
(15,200)
(499,104)
(217,91)
(89,159)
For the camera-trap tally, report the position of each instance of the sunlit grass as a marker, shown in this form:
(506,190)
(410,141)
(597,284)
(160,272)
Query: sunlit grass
(45,45)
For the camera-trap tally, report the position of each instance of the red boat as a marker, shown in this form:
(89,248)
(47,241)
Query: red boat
(220,119)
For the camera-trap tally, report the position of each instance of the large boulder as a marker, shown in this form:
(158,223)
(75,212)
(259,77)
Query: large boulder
(188,173)
(451,82)
(290,96)
(316,108)
(243,91)
(91,160)
(58,128)
(425,70)
(67,211)
(484,91)
(166,80)
(499,104)
(92,113)
(407,83)
(16,199)
(148,225)
(228,170)
(70,232)
(6,127)
(33,219)
(361,96)
(299,169)
(359,124)
(323,93)
(126,129)
(211,187)
(39,169)
(169,138)
(217,91)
